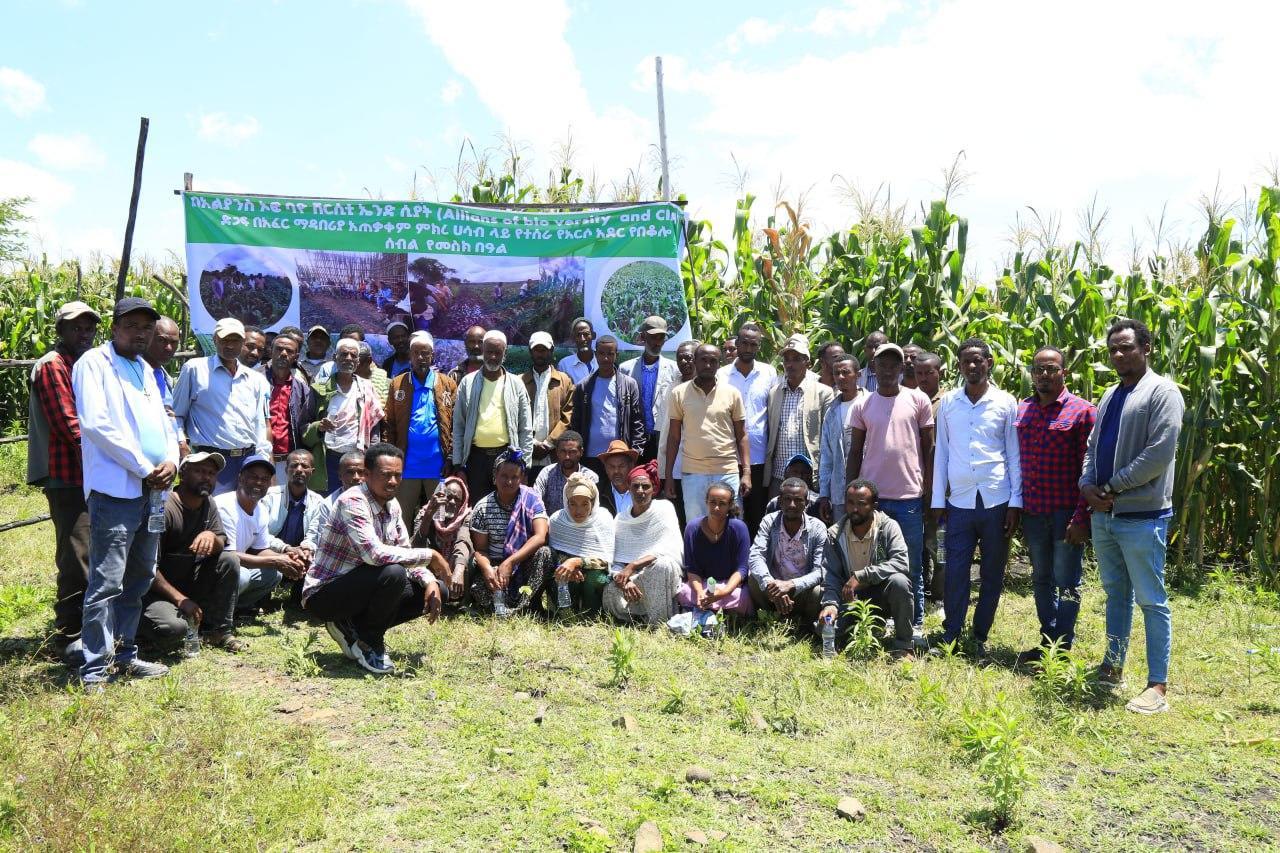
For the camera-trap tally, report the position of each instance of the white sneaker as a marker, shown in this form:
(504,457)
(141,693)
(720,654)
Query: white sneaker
(375,662)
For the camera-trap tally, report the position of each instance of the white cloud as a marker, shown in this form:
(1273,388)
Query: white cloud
(856,17)
(1168,102)
(218,185)
(752,32)
(76,151)
(540,106)
(21,93)
(222,128)
(451,91)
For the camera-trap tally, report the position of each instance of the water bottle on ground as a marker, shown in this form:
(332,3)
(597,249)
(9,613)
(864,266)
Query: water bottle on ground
(155,510)
(191,642)
(562,595)
(828,637)
(501,608)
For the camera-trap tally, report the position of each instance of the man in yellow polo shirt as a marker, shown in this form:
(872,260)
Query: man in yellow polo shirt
(710,418)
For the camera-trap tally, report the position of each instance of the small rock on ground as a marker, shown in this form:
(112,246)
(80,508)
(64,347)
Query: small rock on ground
(1035,844)
(626,722)
(648,838)
(697,774)
(850,808)
(696,836)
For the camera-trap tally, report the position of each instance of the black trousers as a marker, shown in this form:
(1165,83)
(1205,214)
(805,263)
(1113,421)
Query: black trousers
(753,506)
(211,583)
(373,598)
(480,471)
(70,517)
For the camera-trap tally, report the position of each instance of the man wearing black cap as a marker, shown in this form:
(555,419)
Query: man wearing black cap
(656,376)
(196,574)
(53,461)
(130,455)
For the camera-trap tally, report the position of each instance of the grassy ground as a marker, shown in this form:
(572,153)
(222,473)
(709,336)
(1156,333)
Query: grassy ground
(502,736)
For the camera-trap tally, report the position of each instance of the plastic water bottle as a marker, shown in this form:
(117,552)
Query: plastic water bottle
(562,595)
(155,511)
(828,637)
(191,642)
(500,607)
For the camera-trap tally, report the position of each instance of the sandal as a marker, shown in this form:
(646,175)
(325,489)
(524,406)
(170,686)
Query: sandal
(227,642)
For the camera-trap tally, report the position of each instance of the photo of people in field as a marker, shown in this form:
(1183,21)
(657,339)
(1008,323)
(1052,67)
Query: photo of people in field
(338,288)
(246,284)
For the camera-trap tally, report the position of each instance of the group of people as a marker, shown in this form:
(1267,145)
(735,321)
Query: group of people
(644,490)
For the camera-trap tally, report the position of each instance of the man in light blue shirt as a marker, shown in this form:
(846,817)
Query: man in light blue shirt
(753,380)
(582,363)
(130,458)
(222,406)
(977,489)
(656,376)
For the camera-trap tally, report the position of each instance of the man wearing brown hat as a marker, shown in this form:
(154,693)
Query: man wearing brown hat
(797,406)
(656,376)
(222,407)
(617,461)
(53,461)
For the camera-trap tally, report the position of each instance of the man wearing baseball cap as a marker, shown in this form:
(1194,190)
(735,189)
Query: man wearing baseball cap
(129,452)
(54,462)
(264,559)
(317,352)
(797,406)
(550,393)
(656,376)
(221,406)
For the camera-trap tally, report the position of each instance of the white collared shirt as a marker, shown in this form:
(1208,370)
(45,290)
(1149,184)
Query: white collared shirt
(110,408)
(977,451)
(573,366)
(754,388)
(244,530)
(216,409)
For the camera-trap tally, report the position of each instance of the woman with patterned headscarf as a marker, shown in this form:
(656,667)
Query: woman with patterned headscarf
(647,553)
(581,537)
(442,526)
(509,532)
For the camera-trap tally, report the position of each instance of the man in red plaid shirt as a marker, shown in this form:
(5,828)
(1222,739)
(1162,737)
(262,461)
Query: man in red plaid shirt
(53,461)
(1053,431)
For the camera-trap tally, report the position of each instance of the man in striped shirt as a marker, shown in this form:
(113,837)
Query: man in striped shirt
(365,577)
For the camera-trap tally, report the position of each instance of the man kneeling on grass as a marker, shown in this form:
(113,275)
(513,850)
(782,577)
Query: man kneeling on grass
(365,578)
(867,558)
(196,574)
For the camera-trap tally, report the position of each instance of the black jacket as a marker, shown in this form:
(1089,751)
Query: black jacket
(630,416)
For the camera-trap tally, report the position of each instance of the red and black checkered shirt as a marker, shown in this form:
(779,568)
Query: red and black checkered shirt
(1052,442)
(52,386)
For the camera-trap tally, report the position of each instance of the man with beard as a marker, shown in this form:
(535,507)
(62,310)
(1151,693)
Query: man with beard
(349,415)
(196,576)
(54,462)
(617,462)
(787,557)
(550,394)
(656,376)
(551,479)
(221,405)
(490,415)
(797,406)
(473,340)
(420,423)
(264,559)
(582,363)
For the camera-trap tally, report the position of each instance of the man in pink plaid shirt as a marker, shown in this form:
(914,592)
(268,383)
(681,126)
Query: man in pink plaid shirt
(365,578)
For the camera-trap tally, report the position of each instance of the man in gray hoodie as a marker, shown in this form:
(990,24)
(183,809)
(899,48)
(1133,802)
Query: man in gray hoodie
(1128,482)
(866,557)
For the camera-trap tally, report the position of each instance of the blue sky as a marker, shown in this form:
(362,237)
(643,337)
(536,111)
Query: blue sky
(1143,104)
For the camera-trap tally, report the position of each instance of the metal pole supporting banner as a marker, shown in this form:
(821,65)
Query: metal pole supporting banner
(133,208)
(662,133)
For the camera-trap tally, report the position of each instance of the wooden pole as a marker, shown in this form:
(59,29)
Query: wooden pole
(662,133)
(133,207)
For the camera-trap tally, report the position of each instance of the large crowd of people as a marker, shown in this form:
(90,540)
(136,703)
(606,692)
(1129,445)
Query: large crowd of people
(285,471)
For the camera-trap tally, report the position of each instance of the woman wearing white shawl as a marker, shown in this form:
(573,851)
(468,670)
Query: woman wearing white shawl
(647,554)
(581,539)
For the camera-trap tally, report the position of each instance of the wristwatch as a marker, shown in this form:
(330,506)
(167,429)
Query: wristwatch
(1107,490)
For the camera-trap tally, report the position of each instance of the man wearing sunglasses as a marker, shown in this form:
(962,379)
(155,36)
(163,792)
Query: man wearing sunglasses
(1053,432)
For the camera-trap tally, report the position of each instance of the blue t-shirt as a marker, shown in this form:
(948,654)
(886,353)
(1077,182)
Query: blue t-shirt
(648,386)
(398,367)
(1108,437)
(604,416)
(152,439)
(424,459)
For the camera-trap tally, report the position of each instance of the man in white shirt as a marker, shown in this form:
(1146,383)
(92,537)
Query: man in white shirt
(582,363)
(221,406)
(130,457)
(977,489)
(264,559)
(753,380)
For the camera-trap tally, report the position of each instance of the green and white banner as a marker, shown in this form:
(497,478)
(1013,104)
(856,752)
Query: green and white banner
(275,261)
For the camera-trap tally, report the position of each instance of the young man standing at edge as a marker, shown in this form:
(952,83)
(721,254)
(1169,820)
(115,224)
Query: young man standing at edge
(54,462)
(928,372)
(752,380)
(130,451)
(977,490)
(1053,432)
(1128,482)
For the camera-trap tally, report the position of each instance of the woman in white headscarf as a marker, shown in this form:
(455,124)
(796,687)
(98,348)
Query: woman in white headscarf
(581,539)
(648,553)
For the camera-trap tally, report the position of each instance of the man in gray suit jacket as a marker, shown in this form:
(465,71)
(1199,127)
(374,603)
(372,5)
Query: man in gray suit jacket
(481,432)
(835,439)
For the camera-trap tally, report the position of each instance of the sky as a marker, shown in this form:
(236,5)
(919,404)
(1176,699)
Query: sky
(1143,106)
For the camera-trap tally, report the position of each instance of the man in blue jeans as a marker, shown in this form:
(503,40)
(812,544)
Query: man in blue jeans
(1053,429)
(1128,481)
(977,490)
(130,456)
